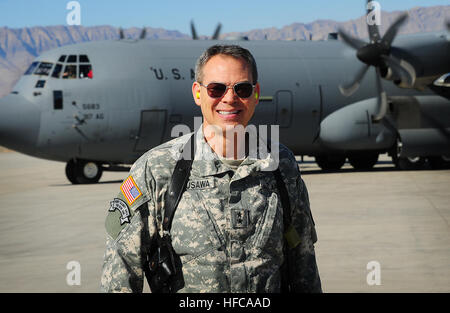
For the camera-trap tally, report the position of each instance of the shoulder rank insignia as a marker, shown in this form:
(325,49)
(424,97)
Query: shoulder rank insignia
(130,190)
(240,218)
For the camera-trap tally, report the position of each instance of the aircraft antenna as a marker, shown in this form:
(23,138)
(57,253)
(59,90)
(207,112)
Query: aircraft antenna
(193,31)
(143,33)
(216,34)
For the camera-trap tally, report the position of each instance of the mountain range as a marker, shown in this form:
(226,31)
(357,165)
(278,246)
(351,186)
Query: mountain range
(19,46)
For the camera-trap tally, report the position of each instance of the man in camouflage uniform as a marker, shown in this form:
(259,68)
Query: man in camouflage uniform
(228,228)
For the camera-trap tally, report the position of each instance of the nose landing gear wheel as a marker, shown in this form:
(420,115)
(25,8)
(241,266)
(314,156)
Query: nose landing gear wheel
(405,163)
(330,162)
(410,163)
(83,172)
(363,160)
(439,162)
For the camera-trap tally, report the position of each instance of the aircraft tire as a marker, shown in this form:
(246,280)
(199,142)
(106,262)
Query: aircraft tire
(439,162)
(330,162)
(363,160)
(409,163)
(70,172)
(83,172)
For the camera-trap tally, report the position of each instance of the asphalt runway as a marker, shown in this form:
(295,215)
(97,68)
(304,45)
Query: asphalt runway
(397,219)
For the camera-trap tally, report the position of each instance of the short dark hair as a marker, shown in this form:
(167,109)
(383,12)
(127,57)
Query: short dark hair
(231,50)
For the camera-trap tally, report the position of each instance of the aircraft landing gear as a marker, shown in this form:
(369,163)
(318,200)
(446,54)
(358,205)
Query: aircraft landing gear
(439,162)
(330,162)
(363,160)
(409,163)
(405,163)
(83,172)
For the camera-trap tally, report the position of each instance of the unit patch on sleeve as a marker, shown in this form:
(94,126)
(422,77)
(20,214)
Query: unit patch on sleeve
(122,207)
(130,190)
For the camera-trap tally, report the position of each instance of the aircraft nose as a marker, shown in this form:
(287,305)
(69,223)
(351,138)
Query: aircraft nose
(19,123)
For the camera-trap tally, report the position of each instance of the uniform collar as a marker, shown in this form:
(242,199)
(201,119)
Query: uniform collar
(207,163)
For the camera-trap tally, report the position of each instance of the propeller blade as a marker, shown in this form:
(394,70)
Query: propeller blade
(121,34)
(393,30)
(382,100)
(193,31)
(143,33)
(350,89)
(374,32)
(217,32)
(351,41)
(402,69)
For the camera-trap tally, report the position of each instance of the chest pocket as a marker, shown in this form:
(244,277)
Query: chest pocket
(267,238)
(193,233)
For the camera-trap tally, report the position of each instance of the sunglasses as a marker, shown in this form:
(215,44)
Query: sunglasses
(217,90)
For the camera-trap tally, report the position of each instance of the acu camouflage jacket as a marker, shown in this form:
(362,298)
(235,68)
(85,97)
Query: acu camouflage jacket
(227,229)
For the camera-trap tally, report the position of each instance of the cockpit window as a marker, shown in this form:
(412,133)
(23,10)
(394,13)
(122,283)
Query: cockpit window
(73,62)
(31,68)
(84,58)
(70,71)
(44,69)
(57,70)
(72,59)
(85,71)
(40,84)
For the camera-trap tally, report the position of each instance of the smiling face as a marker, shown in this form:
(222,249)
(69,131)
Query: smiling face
(228,110)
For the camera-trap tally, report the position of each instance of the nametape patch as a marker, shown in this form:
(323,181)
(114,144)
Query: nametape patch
(200,184)
(122,207)
(130,190)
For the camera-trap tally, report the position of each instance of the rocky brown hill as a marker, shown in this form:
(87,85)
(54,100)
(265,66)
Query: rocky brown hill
(420,20)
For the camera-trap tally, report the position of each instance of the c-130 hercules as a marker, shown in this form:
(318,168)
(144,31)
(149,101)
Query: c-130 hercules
(101,105)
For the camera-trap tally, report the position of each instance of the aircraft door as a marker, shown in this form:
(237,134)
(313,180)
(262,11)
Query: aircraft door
(283,99)
(265,112)
(151,130)
(88,115)
(57,120)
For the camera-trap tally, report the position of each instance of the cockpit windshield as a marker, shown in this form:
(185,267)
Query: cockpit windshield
(85,71)
(44,68)
(76,66)
(57,70)
(72,59)
(70,71)
(31,69)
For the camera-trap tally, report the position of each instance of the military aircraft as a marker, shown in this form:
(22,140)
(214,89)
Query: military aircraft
(100,105)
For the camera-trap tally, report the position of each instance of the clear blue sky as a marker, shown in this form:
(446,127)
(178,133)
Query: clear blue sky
(235,15)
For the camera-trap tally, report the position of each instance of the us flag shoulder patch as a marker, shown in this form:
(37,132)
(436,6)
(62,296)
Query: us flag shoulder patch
(130,190)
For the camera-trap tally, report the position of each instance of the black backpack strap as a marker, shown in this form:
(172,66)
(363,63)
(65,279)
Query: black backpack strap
(284,197)
(286,270)
(286,275)
(178,184)
(281,186)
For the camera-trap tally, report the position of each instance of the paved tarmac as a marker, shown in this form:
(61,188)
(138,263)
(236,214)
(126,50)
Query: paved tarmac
(399,219)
